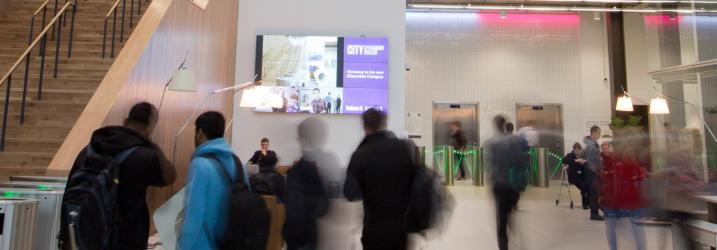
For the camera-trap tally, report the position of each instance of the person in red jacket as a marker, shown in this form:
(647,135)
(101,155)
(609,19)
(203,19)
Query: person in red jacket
(621,176)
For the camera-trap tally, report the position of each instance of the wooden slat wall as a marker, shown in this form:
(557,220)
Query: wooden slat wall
(155,49)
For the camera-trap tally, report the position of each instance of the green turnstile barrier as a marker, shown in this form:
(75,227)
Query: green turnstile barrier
(447,161)
(539,167)
(477,167)
(448,165)
(421,155)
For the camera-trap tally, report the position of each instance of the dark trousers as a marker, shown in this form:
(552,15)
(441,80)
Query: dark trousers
(506,199)
(460,161)
(387,241)
(592,184)
(584,191)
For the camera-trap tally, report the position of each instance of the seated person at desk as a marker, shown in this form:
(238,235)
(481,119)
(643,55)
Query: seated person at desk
(268,181)
(261,155)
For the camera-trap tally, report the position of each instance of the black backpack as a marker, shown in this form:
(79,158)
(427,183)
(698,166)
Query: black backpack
(427,201)
(262,183)
(248,220)
(428,198)
(89,218)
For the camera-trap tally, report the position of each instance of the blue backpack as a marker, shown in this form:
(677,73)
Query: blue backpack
(89,218)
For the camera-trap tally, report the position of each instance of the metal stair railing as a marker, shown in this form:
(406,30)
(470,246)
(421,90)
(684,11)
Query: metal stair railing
(41,41)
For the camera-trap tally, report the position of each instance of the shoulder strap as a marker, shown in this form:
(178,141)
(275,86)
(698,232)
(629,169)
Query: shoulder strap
(122,156)
(218,165)
(119,158)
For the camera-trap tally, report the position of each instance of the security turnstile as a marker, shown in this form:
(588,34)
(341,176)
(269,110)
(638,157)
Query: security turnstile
(48,213)
(539,167)
(28,178)
(477,166)
(32,185)
(446,161)
(18,217)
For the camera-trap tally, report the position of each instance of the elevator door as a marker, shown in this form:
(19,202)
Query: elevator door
(445,113)
(547,119)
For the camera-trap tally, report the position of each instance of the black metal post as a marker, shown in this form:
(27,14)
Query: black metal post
(32,26)
(114,25)
(54,13)
(64,20)
(44,16)
(131,13)
(72,31)
(139,8)
(124,3)
(5,113)
(24,89)
(43,45)
(57,48)
(104,39)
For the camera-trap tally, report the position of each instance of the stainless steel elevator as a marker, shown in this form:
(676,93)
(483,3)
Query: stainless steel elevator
(547,119)
(465,113)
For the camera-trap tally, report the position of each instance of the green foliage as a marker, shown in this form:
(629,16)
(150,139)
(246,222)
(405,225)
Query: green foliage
(631,121)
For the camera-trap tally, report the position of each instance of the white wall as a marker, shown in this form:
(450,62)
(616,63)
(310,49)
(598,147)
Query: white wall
(467,57)
(373,18)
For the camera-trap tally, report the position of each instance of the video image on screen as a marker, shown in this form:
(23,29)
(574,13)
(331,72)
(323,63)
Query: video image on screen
(324,75)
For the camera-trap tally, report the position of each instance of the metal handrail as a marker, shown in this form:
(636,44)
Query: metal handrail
(112,12)
(34,43)
(42,41)
(114,7)
(41,8)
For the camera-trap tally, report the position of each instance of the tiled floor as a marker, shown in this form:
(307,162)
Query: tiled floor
(539,225)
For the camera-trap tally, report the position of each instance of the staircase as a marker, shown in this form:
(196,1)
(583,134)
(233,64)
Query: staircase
(30,147)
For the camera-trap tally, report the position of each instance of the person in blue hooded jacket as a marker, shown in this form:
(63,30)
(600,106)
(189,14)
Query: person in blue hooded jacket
(206,202)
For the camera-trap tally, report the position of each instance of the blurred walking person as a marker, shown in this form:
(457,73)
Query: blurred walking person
(459,142)
(381,172)
(620,188)
(594,165)
(306,199)
(507,156)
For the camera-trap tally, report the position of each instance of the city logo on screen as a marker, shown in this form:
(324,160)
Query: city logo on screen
(364,50)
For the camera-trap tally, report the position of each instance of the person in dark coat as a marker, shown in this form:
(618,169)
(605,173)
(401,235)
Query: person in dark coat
(380,173)
(263,153)
(306,199)
(459,142)
(506,154)
(146,166)
(576,172)
(268,181)
(592,172)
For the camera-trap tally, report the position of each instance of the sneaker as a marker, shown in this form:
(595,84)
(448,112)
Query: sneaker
(596,218)
(586,207)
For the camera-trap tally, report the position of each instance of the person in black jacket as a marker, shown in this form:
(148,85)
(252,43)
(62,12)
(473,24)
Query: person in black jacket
(576,172)
(146,166)
(306,199)
(459,143)
(262,154)
(507,157)
(381,173)
(268,181)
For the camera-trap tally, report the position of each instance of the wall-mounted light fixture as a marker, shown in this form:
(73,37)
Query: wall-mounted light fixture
(624,103)
(658,106)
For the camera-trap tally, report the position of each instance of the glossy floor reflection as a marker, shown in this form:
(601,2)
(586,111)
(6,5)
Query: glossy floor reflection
(539,223)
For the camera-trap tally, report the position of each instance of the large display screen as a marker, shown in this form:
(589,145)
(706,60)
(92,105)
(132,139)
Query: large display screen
(324,75)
